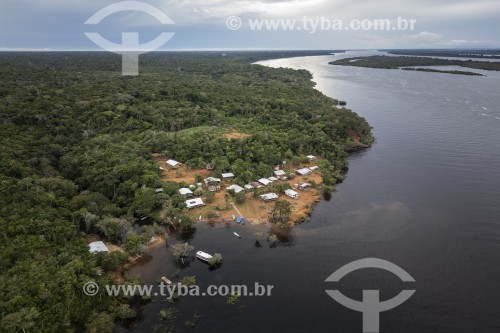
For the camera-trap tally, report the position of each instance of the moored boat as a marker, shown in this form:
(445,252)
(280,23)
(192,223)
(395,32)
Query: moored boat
(203,256)
(236,234)
(165,280)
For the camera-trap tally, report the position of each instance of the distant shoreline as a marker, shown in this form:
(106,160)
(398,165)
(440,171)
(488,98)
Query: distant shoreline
(406,62)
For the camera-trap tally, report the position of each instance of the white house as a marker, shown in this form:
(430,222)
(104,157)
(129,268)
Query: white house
(311,157)
(272,179)
(158,190)
(173,164)
(248,187)
(186,192)
(280,173)
(264,181)
(96,247)
(314,168)
(211,180)
(193,203)
(304,171)
(304,186)
(228,176)
(214,188)
(269,196)
(213,184)
(235,188)
(292,194)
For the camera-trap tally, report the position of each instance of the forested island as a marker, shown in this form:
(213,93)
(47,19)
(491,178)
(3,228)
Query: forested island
(466,53)
(432,70)
(405,62)
(79,161)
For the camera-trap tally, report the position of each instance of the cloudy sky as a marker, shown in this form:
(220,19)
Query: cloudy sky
(202,24)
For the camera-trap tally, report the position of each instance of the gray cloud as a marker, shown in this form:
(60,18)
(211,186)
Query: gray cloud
(58,24)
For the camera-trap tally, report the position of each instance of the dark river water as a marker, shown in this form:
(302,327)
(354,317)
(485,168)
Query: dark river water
(426,197)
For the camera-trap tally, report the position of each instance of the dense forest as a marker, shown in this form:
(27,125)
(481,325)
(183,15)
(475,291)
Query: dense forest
(393,62)
(77,141)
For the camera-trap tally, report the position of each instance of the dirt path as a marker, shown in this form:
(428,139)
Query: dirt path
(237,210)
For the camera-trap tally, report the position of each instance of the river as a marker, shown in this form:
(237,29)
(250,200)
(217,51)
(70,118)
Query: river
(425,197)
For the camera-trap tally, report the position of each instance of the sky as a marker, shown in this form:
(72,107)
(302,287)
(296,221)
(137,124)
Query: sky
(203,24)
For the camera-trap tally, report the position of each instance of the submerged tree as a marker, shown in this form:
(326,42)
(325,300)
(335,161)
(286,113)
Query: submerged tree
(189,280)
(273,239)
(215,260)
(258,236)
(181,250)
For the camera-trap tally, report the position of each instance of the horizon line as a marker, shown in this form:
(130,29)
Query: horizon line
(242,49)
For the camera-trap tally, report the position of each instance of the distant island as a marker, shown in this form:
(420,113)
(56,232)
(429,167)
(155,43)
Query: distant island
(480,54)
(406,62)
(432,70)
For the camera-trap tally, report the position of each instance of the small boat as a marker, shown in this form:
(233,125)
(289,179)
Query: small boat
(203,256)
(166,280)
(242,221)
(238,219)
(236,234)
(234,218)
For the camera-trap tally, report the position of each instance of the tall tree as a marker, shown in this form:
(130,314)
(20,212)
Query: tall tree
(181,250)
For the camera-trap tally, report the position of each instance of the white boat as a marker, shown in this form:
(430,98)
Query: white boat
(166,280)
(236,234)
(203,256)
